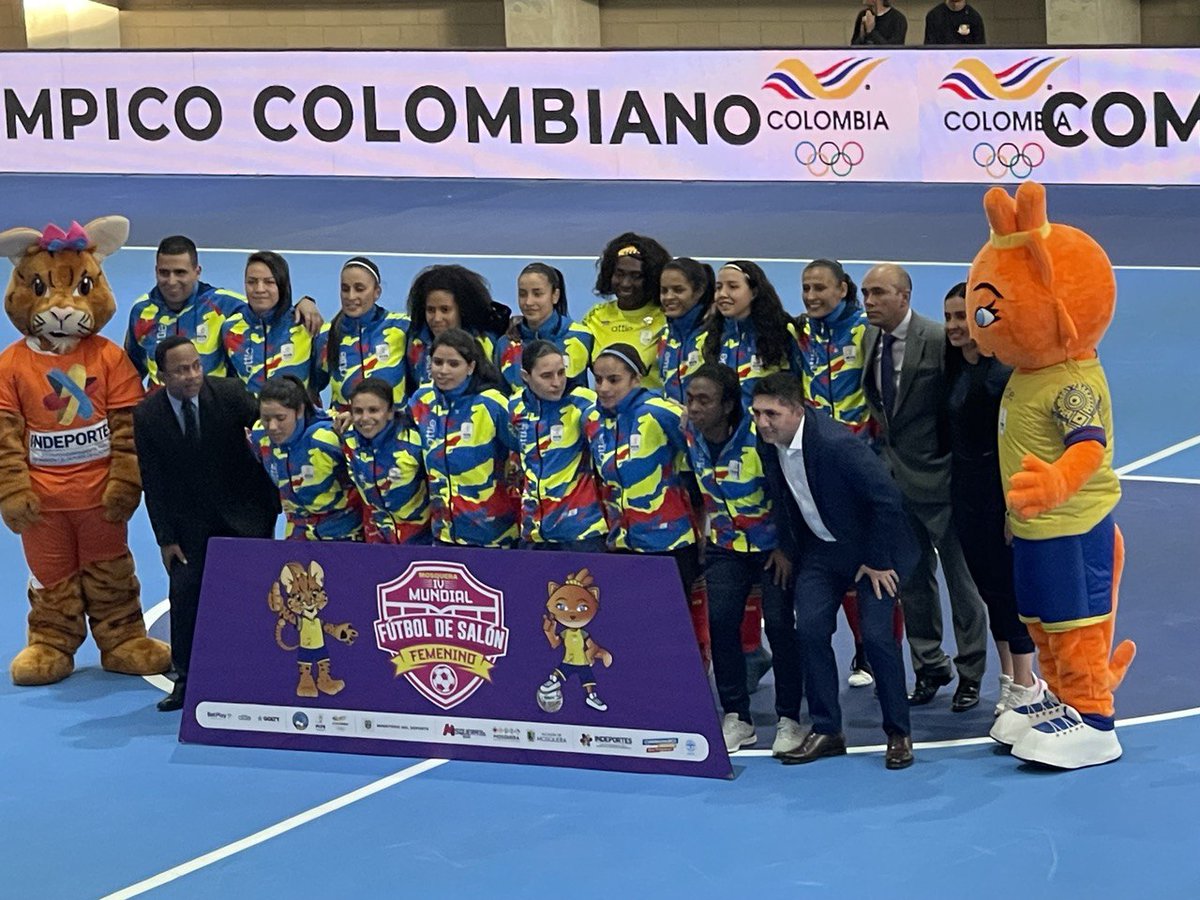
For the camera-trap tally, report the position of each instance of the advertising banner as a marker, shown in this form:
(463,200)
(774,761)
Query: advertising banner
(1102,116)
(584,660)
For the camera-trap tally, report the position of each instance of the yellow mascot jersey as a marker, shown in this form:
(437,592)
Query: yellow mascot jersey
(65,400)
(1045,411)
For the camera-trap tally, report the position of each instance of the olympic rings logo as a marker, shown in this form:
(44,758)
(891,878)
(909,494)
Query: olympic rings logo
(1008,159)
(828,157)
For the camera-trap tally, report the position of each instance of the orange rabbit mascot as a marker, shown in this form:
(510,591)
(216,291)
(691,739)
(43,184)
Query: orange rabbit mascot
(1040,297)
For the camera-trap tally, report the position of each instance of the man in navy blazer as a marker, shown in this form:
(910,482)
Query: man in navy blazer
(841,519)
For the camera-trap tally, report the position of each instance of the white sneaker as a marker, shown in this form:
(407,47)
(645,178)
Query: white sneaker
(1029,707)
(1068,742)
(1003,703)
(737,734)
(860,676)
(789,735)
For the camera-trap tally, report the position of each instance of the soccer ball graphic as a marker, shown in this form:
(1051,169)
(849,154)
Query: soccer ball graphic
(443,680)
(549,696)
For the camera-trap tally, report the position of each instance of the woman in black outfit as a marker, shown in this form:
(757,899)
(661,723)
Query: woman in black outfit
(975,385)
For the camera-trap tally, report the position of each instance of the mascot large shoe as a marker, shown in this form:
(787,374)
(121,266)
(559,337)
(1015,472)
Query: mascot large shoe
(69,478)
(1040,297)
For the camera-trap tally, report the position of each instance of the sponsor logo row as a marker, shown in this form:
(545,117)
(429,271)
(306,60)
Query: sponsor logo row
(496,733)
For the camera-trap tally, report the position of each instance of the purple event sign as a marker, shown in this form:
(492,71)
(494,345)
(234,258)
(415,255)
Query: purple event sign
(562,659)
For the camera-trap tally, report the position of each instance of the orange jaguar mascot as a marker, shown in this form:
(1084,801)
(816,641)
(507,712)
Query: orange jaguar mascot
(1040,297)
(68,476)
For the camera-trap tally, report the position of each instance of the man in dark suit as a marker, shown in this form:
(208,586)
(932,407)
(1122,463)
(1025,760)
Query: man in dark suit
(841,520)
(904,381)
(200,480)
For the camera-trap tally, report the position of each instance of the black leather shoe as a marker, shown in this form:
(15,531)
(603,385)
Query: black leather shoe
(174,700)
(926,688)
(899,752)
(814,747)
(966,696)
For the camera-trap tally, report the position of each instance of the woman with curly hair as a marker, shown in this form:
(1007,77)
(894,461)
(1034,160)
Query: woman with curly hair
(629,271)
(749,330)
(450,296)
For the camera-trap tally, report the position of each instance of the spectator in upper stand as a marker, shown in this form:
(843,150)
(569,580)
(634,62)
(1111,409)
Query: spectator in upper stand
(879,22)
(953,22)
(180,303)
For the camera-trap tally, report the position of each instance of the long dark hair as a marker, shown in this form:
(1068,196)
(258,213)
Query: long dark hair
(477,311)
(288,391)
(650,252)
(699,275)
(839,275)
(486,375)
(766,312)
(955,361)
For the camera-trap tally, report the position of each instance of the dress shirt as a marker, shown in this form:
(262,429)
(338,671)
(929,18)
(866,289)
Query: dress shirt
(791,460)
(177,408)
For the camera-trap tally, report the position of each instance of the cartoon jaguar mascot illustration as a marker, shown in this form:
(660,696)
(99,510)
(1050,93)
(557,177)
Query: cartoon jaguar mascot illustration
(1040,297)
(69,479)
(297,599)
(572,605)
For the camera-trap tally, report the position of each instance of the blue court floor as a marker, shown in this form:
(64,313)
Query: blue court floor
(100,799)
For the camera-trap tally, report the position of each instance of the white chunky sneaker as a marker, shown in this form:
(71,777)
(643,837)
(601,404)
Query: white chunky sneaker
(860,673)
(737,734)
(1003,703)
(1029,706)
(789,735)
(1068,742)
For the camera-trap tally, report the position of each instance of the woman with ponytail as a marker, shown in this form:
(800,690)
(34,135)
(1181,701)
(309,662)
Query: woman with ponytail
(365,339)
(686,293)
(461,417)
(542,297)
(297,446)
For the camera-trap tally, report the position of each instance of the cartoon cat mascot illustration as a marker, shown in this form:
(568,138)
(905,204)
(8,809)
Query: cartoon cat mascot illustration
(1040,297)
(299,603)
(572,605)
(69,478)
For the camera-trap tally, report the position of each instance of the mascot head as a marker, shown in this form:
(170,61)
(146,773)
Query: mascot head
(58,294)
(1038,293)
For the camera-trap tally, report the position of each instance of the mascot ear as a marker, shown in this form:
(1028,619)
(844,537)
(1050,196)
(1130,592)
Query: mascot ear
(108,234)
(318,573)
(1001,211)
(15,241)
(1031,206)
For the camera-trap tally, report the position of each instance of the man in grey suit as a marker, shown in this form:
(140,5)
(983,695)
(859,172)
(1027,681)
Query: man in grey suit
(904,382)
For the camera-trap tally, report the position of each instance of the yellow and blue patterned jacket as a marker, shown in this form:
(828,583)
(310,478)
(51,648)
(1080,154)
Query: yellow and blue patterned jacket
(201,318)
(640,453)
(315,489)
(390,477)
(465,445)
(560,497)
(373,345)
(260,347)
(739,351)
(831,365)
(734,487)
(681,350)
(573,339)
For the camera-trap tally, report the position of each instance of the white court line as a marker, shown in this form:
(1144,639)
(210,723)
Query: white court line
(266,834)
(150,616)
(1162,478)
(1161,454)
(592,258)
